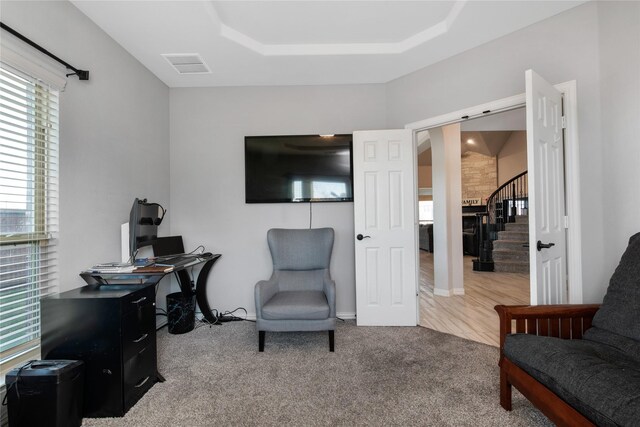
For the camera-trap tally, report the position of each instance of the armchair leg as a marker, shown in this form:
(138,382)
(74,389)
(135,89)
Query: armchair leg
(261,335)
(331,341)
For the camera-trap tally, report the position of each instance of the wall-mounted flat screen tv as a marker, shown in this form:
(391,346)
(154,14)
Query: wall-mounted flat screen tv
(298,168)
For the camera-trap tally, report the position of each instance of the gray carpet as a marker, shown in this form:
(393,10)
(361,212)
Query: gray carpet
(377,376)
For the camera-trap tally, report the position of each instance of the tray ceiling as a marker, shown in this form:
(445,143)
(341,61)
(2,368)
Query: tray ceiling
(247,43)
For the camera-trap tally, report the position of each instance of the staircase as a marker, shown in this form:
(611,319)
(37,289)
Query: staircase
(511,249)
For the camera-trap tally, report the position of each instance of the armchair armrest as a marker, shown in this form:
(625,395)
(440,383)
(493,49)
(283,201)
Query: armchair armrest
(264,290)
(567,321)
(329,288)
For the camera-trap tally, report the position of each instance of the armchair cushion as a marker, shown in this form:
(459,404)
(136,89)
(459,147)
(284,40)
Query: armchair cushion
(296,305)
(596,379)
(619,311)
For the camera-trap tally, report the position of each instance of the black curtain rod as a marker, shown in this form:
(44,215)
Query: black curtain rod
(82,74)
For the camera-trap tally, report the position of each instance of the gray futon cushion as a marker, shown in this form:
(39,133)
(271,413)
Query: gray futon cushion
(296,305)
(598,380)
(620,311)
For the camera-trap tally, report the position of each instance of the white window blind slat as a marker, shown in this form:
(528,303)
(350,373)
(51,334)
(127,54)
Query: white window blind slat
(7,128)
(22,300)
(15,325)
(34,332)
(28,206)
(26,144)
(15,111)
(33,306)
(16,318)
(34,278)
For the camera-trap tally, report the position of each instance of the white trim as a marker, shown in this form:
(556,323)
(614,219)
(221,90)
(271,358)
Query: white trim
(504,104)
(572,167)
(572,191)
(348,315)
(458,291)
(442,292)
(345,315)
(319,49)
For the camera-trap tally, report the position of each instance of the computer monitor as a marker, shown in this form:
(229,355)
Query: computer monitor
(144,220)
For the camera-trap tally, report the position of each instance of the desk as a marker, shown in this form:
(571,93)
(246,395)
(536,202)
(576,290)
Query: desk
(146,278)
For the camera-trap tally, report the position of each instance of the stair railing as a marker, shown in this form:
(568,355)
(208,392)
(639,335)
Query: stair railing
(509,200)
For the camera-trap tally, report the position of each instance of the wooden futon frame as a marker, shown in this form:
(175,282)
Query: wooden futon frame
(561,321)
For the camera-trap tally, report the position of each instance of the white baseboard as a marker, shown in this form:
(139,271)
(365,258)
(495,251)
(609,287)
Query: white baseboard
(457,291)
(347,315)
(441,293)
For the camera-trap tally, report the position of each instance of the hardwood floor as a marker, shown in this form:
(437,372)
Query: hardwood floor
(470,315)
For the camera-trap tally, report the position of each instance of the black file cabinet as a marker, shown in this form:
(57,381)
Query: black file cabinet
(112,329)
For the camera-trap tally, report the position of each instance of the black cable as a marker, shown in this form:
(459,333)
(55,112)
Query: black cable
(214,314)
(229,316)
(15,384)
(193,251)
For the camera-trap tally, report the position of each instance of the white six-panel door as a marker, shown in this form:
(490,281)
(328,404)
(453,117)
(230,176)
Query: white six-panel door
(384,220)
(545,157)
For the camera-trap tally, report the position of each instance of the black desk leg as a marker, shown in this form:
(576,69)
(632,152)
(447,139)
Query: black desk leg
(201,289)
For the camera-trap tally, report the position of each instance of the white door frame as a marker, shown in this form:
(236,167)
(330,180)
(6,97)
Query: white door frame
(572,168)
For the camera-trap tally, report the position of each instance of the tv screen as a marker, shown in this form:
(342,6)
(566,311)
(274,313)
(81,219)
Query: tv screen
(298,168)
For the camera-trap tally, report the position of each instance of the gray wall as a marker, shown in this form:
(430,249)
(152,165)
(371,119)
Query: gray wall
(208,126)
(620,93)
(512,158)
(114,133)
(562,48)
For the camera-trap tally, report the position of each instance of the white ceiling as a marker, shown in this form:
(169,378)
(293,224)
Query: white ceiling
(246,43)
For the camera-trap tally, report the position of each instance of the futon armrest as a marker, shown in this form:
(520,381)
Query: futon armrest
(264,290)
(568,321)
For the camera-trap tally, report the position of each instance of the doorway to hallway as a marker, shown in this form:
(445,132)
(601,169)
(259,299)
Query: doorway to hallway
(493,150)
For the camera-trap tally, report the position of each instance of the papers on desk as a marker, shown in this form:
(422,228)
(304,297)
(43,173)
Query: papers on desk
(123,267)
(112,267)
(154,269)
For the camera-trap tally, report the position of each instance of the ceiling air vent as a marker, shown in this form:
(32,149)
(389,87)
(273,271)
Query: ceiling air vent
(187,63)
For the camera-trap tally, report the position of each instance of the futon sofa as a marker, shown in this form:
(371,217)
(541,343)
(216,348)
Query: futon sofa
(579,364)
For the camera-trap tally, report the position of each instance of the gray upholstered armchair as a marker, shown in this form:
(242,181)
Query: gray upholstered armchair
(300,295)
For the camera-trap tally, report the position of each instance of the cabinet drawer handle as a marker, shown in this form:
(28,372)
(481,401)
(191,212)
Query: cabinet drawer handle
(141,383)
(141,338)
(138,301)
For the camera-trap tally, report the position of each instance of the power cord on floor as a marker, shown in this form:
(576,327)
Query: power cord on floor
(223,317)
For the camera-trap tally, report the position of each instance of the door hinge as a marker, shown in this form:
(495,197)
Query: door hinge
(564,122)
(566,221)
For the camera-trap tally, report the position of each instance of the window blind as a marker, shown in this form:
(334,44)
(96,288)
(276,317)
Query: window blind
(28,208)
